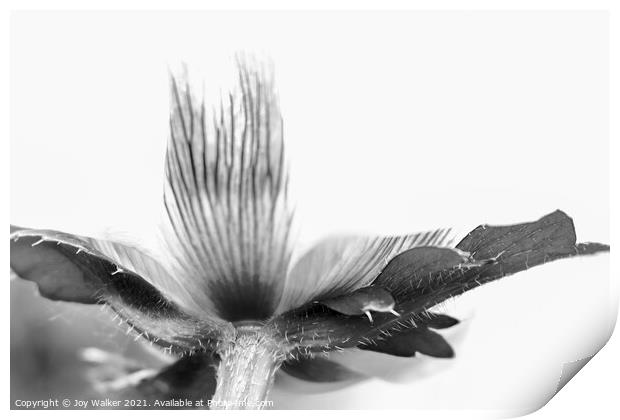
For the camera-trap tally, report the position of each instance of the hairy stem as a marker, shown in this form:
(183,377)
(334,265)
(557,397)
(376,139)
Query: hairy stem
(246,371)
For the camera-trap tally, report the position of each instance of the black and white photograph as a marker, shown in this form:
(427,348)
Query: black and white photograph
(331,209)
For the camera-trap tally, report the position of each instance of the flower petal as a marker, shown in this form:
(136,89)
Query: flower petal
(191,377)
(440,321)
(318,369)
(494,252)
(85,270)
(342,264)
(226,197)
(414,265)
(410,341)
(498,251)
(416,338)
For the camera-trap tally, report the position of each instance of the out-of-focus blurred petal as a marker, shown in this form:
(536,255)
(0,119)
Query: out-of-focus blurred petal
(84,270)
(116,362)
(110,372)
(226,197)
(341,264)
(319,369)
(190,377)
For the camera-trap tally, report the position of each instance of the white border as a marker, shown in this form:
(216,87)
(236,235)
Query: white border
(592,393)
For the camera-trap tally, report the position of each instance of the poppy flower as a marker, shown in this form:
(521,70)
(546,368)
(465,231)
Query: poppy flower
(228,300)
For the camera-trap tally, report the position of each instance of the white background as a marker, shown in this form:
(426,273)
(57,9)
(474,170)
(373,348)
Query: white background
(396,122)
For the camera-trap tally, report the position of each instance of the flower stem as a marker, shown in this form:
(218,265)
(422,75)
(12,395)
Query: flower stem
(246,371)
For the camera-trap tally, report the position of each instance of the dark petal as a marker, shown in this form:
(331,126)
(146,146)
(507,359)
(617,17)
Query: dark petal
(76,269)
(191,377)
(361,301)
(410,341)
(416,338)
(226,196)
(56,277)
(67,267)
(553,234)
(413,266)
(586,248)
(494,252)
(318,369)
(339,265)
(438,321)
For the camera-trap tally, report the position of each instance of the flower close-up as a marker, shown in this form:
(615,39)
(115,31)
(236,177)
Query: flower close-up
(230,302)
